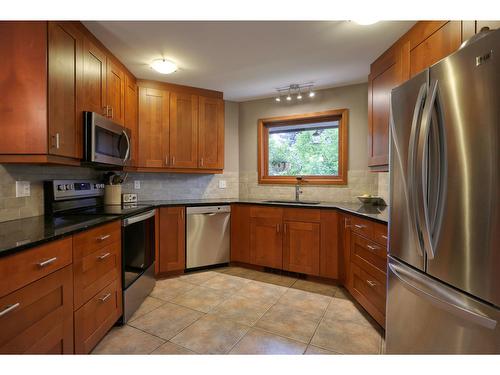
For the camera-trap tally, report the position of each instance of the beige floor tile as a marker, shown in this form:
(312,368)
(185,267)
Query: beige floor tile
(310,303)
(343,293)
(347,337)
(148,305)
(241,272)
(275,279)
(198,278)
(311,349)
(227,283)
(263,292)
(342,309)
(170,288)
(285,321)
(315,287)
(166,321)
(241,309)
(201,298)
(127,340)
(260,342)
(211,335)
(171,348)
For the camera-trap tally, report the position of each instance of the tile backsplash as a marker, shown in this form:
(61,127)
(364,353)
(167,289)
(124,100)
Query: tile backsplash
(383,185)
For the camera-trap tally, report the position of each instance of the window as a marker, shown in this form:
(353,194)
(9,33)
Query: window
(309,148)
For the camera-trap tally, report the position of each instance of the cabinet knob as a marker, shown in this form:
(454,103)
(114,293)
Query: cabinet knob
(372,284)
(173,160)
(9,308)
(201,162)
(47,262)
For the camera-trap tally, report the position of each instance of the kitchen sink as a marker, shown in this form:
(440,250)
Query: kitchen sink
(295,202)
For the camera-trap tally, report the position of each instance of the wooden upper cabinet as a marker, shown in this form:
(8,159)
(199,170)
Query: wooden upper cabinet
(301,247)
(131,116)
(183,130)
(94,78)
(172,232)
(64,59)
(23,84)
(437,46)
(153,128)
(115,92)
(211,133)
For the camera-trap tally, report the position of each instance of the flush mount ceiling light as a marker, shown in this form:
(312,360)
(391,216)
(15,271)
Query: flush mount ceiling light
(164,66)
(294,89)
(366,22)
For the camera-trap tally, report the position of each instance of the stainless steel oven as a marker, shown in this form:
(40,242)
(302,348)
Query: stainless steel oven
(105,142)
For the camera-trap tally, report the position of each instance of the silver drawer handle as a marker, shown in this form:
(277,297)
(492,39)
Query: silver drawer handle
(384,236)
(8,309)
(359,226)
(103,256)
(371,283)
(373,248)
(102,238)
(103,299)
(47,262)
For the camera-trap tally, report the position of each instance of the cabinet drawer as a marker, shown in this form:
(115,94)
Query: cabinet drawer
(369,256)
(380,234)
(97,316)
(266,212)
(371,291)
(89,241)
(301,214)
(94,271)
(22,268)
(361,226)
(38,319)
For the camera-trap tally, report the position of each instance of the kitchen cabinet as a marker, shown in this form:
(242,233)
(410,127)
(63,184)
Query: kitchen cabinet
(211,133)
(172,240)
(240,233)
(266,238)
(94,78)
(301,247)
(153,129)
(131,116)
(183,130)
(115,91)
(329,254)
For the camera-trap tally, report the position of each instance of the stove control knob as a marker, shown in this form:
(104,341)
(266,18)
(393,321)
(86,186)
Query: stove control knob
(61,187)
(69,187)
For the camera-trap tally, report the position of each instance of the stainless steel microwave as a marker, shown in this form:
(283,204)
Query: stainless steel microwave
(105,142)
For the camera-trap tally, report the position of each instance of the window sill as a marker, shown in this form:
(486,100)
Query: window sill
(311,180)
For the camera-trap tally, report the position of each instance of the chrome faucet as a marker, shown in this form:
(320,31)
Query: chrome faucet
(298,190)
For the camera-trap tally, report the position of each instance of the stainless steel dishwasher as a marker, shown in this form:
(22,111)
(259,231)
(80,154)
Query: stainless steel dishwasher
(208,234)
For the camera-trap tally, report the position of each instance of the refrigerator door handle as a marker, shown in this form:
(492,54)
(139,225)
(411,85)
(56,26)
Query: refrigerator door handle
(442,298)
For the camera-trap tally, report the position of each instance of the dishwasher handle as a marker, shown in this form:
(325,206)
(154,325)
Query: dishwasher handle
(208,210)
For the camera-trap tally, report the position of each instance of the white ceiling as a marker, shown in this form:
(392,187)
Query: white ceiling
(250,59)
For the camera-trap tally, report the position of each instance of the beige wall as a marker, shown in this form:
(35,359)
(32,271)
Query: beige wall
(360,180)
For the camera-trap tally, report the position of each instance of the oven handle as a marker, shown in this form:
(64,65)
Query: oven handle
(135,219)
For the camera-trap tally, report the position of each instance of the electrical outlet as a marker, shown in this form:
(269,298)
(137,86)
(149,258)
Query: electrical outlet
(222,184)
(23,189)
(137,184)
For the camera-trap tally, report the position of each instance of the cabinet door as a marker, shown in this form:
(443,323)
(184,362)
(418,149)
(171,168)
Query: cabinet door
(266,242)
(301,247)
(183,130)
(440,44)
(329,257)
(240,233)
(172,251)
(65,131)
(131,117)
(40,316)
(115,92)
(211,133)
(93,78)
(153,146)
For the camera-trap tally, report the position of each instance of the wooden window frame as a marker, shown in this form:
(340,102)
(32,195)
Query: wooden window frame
(342,115)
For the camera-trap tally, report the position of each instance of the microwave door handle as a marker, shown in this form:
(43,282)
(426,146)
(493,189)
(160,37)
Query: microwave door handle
(127,153)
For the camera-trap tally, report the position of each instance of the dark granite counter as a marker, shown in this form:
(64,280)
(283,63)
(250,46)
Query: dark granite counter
(21,234)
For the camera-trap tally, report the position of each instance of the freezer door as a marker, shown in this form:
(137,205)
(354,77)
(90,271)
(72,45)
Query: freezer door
(407,102)
(425,316)
(462,226)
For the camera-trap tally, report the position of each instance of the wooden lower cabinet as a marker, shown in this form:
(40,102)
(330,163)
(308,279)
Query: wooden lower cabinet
(240,233)
(301,247)
(266,242)
(172,240)
(96,317)
(40,320)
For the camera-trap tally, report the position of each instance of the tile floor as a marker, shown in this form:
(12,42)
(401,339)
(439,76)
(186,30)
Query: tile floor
(234,310)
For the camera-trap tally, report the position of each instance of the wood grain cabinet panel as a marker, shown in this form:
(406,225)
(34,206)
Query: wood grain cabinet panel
(266,242)
(329,257)
(154,125)
(40,319)
(131,116)
(94,78)
(64,68)
(115,91)
(172,249)
(183,130)
(211,133)
(240,233)
(97,238)
(301,247)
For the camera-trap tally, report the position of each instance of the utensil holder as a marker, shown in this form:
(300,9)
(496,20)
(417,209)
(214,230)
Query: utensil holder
(112,194)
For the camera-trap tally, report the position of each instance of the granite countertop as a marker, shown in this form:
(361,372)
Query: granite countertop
(21,234)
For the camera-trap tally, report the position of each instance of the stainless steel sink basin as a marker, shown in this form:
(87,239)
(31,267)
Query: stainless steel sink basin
(295,202)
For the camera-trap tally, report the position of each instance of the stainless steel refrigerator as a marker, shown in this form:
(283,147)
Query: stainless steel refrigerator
(444,227)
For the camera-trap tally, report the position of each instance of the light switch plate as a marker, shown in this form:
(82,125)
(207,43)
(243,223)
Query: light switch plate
(23,189)
(137,184)
(222,184)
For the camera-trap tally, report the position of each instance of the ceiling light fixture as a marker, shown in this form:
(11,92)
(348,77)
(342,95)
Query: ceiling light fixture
(164,66)
(366,22)
(299,95)
(294,89)
(278,99)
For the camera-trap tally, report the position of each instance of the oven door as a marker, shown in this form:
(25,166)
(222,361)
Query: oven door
(105,141)
(138,246)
